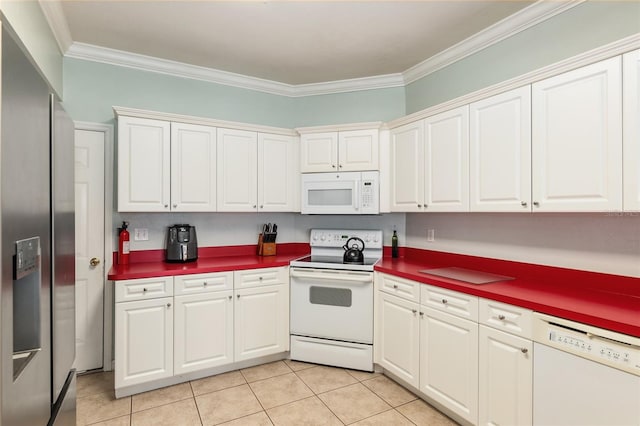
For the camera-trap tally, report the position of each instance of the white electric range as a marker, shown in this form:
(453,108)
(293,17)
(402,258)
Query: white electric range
(332,301)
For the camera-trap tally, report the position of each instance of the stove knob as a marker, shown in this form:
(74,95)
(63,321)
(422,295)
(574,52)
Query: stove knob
(323,237)
(315,237)
(376,239)
(368,239)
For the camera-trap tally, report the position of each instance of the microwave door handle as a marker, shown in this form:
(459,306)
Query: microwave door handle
(356,200)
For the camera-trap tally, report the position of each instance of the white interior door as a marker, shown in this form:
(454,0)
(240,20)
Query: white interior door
(89,192)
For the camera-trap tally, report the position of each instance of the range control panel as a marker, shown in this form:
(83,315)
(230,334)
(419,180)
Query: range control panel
(604,346)
(338,238)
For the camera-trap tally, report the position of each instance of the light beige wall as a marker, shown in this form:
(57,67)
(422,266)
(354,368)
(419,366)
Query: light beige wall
(26,20)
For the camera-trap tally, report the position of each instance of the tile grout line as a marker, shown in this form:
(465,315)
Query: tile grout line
(195,401)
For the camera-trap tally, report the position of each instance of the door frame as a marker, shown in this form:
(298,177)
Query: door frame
(107,320)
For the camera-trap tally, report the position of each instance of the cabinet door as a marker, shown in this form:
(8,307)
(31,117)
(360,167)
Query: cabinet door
(193,168)
(500,152)
(358,150)
(449,362)
(278,175)
(237,179)
(261,321)
(407,172)
(203,331)
(577,140)
(631,130)
(143,341)
(506,378)
(398,337)
(143,165)
(319,152)
(446,166)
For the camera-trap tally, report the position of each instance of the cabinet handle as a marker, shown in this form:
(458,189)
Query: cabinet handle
(340,166)
(501,317)
(426,205)
(415,311)
(238,296)
(523,203)
(421,314)
(537,204)
(230,297)
(261,206)
(333,165)
(166,206)
(419,206)
(395,286)
(445,301)
(524,350)
(205,283)
(175,205)
(260,278)
(254,206)
(144,290)
(168,305)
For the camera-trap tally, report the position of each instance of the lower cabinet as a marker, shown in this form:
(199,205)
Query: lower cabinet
(261,321)
(144,341)
(170,326)
(449,362)
(471,356)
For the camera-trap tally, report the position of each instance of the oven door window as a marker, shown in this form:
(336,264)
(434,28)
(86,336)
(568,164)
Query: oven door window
(330,296)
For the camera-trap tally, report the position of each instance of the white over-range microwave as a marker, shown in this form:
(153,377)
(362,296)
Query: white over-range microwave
(341,193)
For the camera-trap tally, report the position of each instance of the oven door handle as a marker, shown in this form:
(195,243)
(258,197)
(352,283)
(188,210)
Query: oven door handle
(333,276)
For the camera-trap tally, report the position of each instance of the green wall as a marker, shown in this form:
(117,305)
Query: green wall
(582,28)
(92,88)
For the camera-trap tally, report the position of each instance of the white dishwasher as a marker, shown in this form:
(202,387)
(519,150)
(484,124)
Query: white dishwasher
(584,375)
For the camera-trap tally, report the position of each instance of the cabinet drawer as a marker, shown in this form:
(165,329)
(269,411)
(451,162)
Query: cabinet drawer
(458,304)
(143,289)
(203,283)
(509,318)
(400,287)
(260,277)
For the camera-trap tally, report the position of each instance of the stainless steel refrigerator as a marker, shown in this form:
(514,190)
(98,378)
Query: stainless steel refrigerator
(37,248)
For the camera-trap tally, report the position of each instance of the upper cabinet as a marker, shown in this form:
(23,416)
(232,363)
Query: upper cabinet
(446,164)
(500,152)
(407,167)
(344,151)
(193,168)
(174,166)
(278,173)
(577,140)
(631,131)
(144,176)
(237,170)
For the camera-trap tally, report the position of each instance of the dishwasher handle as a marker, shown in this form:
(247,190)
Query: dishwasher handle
(335,276)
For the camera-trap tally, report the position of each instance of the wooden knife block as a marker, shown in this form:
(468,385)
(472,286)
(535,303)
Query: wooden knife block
(266,249)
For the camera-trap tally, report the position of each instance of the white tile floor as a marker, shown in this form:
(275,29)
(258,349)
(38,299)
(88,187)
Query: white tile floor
(278,393)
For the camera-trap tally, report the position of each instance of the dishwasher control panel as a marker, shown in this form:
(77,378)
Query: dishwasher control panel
(606,347)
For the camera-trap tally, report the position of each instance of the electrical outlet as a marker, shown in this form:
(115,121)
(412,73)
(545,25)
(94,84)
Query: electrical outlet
(141,234)
(431,235)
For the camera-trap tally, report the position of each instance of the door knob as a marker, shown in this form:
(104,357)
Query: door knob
(94,261)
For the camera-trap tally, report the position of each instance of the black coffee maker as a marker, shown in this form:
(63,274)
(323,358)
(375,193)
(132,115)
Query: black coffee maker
(182,244)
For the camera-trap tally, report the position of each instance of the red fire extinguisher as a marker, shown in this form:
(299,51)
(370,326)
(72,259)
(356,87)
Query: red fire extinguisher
(123,245)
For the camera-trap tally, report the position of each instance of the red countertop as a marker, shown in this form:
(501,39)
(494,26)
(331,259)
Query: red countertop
(602,300)
(150,263)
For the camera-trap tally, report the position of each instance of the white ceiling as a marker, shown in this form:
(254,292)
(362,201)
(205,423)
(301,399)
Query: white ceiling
(292,42)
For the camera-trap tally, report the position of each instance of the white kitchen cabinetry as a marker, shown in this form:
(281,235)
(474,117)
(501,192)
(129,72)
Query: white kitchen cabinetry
(193,168)
(449,362)
(278,173)
(344,151)
(500,152)
(144,331)
(144,149)
(407,171)
(398,337)
(577,140)
(203,321)
(506,365)
(237,171)
(631,131)
(446,162)
(261,312)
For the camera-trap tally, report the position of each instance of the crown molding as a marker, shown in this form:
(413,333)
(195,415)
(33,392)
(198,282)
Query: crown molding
(509,26)
(203,121)
(52,10)
(520,21)
(599,54)
(341,127)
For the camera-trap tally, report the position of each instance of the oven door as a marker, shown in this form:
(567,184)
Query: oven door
(332,304)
